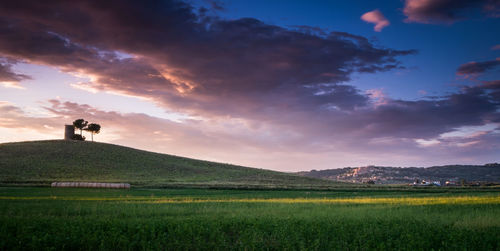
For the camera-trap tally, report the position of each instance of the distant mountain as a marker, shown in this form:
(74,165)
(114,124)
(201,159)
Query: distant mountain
(398,175)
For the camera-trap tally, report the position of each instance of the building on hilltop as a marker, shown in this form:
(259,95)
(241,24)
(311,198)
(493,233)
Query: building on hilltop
(69,132)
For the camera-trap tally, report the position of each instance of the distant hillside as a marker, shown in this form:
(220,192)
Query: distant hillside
(398,175)
(42,162)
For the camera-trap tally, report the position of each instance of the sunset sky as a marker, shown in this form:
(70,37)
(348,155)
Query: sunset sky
(276,84)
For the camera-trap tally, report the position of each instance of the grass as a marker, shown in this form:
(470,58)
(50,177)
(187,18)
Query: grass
(207,219)
(322,216)
(43,162)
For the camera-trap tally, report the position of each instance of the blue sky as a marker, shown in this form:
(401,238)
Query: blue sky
(441,48)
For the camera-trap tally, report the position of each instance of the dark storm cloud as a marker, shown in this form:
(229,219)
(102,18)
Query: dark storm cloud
(472,68)
(202,65)
(216,5)
(6,73)
(493,85)
(448,11)
(32,44)
(241,60)
(429,118)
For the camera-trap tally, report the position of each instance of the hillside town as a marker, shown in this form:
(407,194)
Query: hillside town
(453,175)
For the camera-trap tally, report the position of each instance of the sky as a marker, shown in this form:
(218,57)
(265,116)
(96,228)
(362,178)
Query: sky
(282,85)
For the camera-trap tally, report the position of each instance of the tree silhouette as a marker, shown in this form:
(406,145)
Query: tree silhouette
(78,137)
(80,124)
(93,129)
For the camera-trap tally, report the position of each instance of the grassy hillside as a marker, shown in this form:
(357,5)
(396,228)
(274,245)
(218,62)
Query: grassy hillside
(42,162)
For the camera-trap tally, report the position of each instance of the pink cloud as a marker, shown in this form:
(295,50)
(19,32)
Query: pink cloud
(376,17)
(422,92)
(447,11)
(378,97)
(496,47)
(236,141)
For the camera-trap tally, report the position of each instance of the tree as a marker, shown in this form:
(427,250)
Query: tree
(463,182)
(93,129)
(78,137)
(80,124)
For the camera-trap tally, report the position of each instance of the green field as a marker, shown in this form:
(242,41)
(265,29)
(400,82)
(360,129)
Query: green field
(43,162)
(262,210)
(207,219)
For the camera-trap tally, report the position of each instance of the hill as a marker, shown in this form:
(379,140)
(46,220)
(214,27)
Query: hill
(43,162)
(398,175)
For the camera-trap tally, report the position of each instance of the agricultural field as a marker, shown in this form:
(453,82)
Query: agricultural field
(208,219)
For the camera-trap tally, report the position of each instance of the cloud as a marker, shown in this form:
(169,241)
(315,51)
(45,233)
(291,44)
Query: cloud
(212,140)
(447,11)
(496,47)
(116,127)
(8,78)
(256,89)
(216,5)
(429,118)
(475,68)
(197,66)
(467,140)
(493,85)
(270,146)
(376,17)
(214,68)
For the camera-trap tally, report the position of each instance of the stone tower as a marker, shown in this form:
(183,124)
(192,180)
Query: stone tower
(69,132)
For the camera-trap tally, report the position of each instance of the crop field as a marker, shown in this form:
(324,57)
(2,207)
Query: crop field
(203,219)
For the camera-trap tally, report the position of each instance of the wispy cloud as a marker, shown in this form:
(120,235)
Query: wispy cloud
(472,69)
